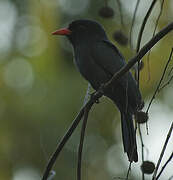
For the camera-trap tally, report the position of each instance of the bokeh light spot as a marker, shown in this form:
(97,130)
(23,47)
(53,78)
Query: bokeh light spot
(26,173)
(115,155)
(8,15)
(73,7)
(18,74)
(31,40)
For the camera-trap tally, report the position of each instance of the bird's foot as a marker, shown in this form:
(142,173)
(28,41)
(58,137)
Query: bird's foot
(93,97)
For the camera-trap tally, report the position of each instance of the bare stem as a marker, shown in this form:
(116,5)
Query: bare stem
(166,84)
(94,98)
(164,166)
(157,21)
(141,53)
(163,151)
(128,172)
(133,21)
(81,143)
(143,25)
(142,147)
(62,143)
(121,14)
(159,84)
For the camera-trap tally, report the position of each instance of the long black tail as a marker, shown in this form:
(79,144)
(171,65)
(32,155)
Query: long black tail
(129,137)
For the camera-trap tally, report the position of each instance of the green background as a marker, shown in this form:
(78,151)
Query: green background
(41,90)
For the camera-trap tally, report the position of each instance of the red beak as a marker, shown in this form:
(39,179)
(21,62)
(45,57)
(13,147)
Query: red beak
(63,31)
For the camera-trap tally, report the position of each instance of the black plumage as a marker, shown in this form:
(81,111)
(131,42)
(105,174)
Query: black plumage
(97,59)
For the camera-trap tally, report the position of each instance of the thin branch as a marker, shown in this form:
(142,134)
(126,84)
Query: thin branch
(143,25)
(94,98)
(163,151)
(121,14)
(159,84)
(140,36)
(140,54)
(142,149)
(129,169)
(170,79)
(83,133)
(166,84)
(62,143)
(164,166)
(157,21)
(133,21)
(170,70)
(143,51)
(81,143)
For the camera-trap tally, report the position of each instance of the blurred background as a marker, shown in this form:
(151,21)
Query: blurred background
(41,90)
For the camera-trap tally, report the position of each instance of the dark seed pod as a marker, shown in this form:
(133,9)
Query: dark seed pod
(148,167)
(120,38)
(106,12)
(141,117)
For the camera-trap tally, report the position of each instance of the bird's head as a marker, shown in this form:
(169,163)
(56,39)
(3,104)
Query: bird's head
(82,30)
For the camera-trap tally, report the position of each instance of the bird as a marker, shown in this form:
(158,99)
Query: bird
(97,59)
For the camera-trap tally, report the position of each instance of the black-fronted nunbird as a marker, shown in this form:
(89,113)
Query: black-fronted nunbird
(97,59)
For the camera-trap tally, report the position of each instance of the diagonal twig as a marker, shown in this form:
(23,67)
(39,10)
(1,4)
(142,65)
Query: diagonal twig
(163,151)
(170,79)
(62,143)
(159,84)
(166,84)
(170,70)
(140,54)
(133,21)
(129,169)
(141,33)
(69,132)
(169,159)
(143,24)
(121,14)
(100,92)
(157,21)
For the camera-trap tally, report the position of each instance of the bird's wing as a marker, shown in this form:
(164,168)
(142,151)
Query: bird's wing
(107,57)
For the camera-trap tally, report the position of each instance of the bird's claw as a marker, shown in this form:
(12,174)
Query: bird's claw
(92,96)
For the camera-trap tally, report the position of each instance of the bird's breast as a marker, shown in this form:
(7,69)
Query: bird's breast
(89,69)
(83,63)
